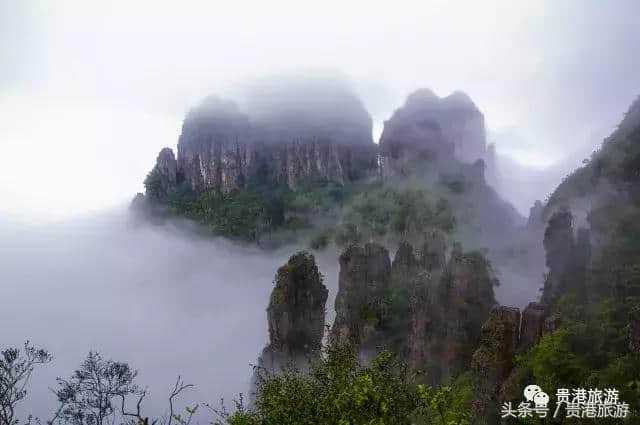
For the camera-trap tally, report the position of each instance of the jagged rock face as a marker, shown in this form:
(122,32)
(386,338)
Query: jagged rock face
(430,127)
(167,165)
(535,221)
(405,264)
(296,318)
(161,181)
(426,271)
(214,149)
(447,302)
(363,280)
(297,306)
(465,297)
(222,148)
(434,251)
(431,256)
(492,362)
(568,260)
(533,319)
(559,247)
(492,174)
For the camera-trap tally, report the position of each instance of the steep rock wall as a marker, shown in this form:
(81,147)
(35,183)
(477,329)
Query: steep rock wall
(430,127)
(221,148)
(423,307)
(296,314)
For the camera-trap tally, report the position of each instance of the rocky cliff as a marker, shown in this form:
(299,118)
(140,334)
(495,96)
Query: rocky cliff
(603,197)
(463,301)
(235,168)
(421,306)
(363,281)
(223,148)
(559,246)
(425,271)
(533,324)
(161,181)
(296,314)
(430,127)
(493,361)
(568,256)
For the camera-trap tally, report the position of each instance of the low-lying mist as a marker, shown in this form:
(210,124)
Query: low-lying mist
(162,298)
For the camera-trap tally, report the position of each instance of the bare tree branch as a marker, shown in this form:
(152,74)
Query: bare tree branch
(177,389)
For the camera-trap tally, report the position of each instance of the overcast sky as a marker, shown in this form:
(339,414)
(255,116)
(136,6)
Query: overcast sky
(91,90)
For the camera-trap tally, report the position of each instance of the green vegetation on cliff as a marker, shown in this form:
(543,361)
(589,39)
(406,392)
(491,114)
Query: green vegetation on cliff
(345,214)
(590,349)
(258,209)
(441,194)
(592,290)
(388,211)
(341,391)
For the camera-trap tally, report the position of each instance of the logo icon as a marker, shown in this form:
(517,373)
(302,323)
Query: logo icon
(577,403)
(531,390)
(541,399)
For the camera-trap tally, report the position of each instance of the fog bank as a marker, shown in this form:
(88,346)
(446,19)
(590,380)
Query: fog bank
(159,297)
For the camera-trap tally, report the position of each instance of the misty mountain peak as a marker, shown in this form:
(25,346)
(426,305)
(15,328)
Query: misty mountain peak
(214,116)
(308,107)
(287,131)
(420,98)
(214,106)
(460,100)
(427,126)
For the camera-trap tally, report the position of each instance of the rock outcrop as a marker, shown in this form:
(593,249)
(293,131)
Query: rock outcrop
(426,273)
(559,248)
(506,333)
(422,307)
(493,361)
(492,172)
(161,181)
(464,299)
(326,138)
(214,149)
(533,324)
(430,127)
(296,314)
(568,259)
(535,221)
(363,283)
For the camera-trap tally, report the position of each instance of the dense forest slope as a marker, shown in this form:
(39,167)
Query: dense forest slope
(584,331)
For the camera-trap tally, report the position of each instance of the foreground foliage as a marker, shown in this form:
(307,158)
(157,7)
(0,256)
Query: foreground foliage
(16,367)
(339,390)
(589,350)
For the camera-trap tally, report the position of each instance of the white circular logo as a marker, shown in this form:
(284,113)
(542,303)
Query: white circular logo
(541,399)
(530,391)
